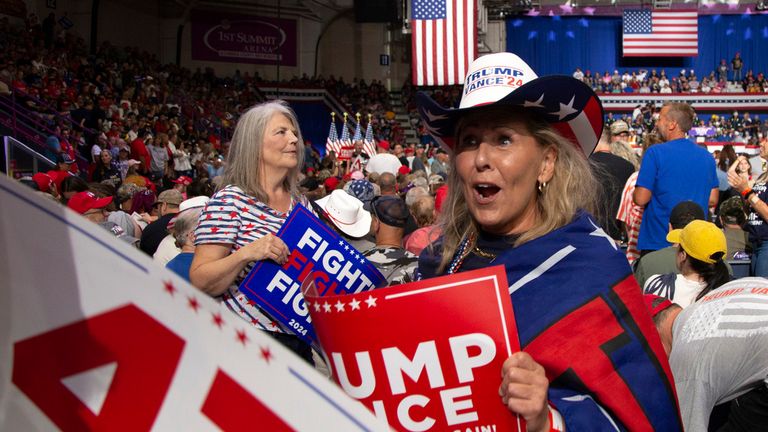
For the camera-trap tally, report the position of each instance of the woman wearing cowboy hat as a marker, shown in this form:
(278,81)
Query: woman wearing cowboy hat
(520,194)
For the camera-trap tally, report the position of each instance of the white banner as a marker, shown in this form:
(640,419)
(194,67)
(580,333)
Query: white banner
(94,335)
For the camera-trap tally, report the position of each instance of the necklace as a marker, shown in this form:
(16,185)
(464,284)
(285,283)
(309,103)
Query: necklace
(483,254)
(458,257)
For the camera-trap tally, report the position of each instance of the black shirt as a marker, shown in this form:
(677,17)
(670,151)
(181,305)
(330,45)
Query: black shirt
(489,245)
(154,233)
(612,173)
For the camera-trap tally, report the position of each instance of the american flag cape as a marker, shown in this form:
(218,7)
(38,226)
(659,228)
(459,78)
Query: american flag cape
(332,144)
(580,314)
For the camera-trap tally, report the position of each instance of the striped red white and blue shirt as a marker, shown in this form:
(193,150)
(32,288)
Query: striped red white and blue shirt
(235,218)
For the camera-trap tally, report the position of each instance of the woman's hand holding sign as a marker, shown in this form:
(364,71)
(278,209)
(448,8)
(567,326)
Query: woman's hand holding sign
(269,247)
(523,390)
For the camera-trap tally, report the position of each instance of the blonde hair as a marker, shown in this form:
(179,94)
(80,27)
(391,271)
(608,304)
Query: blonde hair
(245,157)
(572,188)
(423,210)
(623,150)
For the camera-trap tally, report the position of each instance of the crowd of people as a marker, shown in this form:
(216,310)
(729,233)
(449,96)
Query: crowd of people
(500,187)
(108,99)
(724,79)
(182,166)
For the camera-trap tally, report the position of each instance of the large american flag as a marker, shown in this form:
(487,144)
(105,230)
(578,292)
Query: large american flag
(444,40)
(660,34)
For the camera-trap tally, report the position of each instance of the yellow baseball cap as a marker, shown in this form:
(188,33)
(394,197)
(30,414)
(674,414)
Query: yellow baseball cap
(701,240)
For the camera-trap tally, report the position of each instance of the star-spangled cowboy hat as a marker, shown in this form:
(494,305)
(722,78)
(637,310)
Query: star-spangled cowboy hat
(569,105)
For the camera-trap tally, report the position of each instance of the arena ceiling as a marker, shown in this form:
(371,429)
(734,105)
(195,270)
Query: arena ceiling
(322,10)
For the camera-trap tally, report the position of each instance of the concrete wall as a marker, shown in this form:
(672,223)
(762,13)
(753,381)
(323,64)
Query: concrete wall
(125,26)
(349,50)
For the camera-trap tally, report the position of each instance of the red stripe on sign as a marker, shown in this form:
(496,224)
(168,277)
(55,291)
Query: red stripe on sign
(249,412)
(145,351)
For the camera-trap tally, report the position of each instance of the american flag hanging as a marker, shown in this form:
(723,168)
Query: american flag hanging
(660,34)
(332,144)
(443,42)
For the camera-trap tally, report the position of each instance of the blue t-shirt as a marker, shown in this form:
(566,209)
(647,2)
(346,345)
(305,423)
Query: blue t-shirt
(180,264)
(675,171)
(722,180)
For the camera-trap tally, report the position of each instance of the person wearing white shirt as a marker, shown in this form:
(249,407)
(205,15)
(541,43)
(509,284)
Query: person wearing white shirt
(702,247)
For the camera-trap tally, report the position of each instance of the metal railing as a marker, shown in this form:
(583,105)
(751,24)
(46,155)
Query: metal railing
(34,126)
(21,160)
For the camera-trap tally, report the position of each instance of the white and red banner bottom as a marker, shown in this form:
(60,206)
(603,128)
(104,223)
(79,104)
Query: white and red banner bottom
(95,336)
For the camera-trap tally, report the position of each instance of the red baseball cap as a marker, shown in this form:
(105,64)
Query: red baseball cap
(384,144)
(404,170)
(81,202)
(331,183)
(43,181)
(183,180)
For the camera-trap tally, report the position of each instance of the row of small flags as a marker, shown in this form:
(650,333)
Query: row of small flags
(335,142)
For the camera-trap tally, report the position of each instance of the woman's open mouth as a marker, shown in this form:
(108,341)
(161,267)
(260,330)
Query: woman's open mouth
(485,192)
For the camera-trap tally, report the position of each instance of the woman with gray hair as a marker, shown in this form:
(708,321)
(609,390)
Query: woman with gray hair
(520,193)
(237,227)
(183,232)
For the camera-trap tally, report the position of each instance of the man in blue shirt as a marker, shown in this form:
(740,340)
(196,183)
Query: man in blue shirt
(677,170)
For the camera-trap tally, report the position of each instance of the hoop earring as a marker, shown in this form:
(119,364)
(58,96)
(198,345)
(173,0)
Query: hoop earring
(542,187)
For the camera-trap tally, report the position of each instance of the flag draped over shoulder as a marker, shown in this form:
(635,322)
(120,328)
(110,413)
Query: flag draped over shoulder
(660,34)
(332,144)
(592,334)
(369,145)
(444,40)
